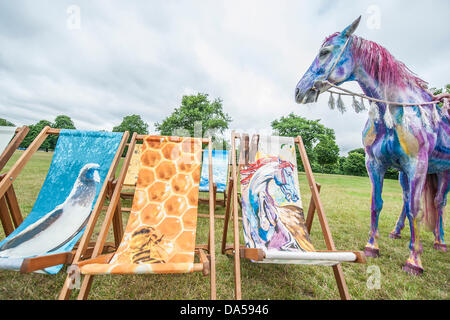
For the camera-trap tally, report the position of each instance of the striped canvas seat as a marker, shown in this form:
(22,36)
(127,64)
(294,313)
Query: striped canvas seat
(161,230)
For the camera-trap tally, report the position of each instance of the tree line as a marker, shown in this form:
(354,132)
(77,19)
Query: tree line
(198,114)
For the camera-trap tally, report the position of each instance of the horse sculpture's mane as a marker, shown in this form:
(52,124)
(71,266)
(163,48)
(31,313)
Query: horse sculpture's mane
(380,64)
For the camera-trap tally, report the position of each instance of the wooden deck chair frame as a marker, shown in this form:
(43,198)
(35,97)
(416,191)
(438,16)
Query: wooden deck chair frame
(10,215)
(41,262)
(205,252)
(257,254)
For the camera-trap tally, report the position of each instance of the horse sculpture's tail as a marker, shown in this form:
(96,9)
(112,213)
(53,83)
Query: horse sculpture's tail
(430,211)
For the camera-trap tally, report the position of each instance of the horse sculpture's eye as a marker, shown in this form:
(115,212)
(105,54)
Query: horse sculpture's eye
(324,52)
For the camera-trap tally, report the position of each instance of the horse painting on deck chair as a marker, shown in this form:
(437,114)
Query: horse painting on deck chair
(401,132)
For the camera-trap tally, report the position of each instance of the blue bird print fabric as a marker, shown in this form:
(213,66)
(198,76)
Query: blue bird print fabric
(79,166)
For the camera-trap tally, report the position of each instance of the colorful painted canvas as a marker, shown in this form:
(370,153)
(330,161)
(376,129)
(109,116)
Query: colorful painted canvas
(272,209)
(6,134)
(160,234)
(78,169)
(133,169)
(220,170)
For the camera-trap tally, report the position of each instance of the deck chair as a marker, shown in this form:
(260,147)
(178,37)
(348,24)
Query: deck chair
(275,230)
(10,215)
(161,230)
(73,192)
(220,174)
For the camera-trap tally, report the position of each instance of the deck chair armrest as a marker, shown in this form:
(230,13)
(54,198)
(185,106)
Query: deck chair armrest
(105,258)
(42,262)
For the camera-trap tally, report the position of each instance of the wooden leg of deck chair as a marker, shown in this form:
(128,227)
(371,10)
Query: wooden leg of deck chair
(337,269)
(311,211)
(212,206)
(215,194)
(237,260)
(227,216)
(5,217)
(13,205)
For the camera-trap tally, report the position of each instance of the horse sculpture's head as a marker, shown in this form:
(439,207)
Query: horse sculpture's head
(284,178)
(334,63)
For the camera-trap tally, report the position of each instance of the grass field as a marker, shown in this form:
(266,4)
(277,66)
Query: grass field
(347,202)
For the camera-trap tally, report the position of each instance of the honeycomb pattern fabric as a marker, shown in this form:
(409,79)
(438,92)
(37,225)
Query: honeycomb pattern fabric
(133,169)
(160,234)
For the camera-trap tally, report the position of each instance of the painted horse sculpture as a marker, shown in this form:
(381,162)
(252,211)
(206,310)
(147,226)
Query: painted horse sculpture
(413,139)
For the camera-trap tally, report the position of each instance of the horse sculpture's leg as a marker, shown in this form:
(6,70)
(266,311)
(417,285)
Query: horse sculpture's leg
(416,183)
(376,175)
(440,201)
(395,234)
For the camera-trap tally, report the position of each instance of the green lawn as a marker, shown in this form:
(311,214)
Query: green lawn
(347,203)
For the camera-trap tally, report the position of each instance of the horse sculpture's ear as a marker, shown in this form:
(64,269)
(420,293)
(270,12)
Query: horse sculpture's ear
(351,28)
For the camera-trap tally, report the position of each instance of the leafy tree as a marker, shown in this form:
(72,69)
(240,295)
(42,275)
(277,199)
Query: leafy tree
(358,150)
(6,123)
(355,164)
(35,129)
(61,122)
(196,116)
(327,152)
(312,133)
(132,123)
(293,126)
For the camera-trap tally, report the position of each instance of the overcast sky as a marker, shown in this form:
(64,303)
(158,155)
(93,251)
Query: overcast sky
(141,57)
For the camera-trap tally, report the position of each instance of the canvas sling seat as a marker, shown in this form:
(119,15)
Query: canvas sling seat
(75,184)
(161,230)
(274,226)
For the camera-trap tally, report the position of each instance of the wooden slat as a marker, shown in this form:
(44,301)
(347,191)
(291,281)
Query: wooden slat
(42,262)
(212,206)
(311,211)
(5,218)
(252,253)
(205,261)
(237,261)
(227,215)
(118,225)
(13,205)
